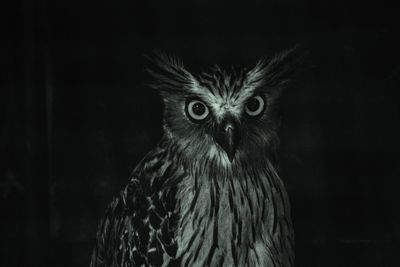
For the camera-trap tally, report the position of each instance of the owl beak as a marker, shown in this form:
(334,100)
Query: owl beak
(228,137)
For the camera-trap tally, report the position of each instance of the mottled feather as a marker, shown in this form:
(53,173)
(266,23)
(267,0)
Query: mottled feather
(187,203)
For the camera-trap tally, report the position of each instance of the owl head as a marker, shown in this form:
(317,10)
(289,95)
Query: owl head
(225,116)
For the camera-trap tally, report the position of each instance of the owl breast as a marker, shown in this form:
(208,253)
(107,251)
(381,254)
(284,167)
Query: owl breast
(240,219)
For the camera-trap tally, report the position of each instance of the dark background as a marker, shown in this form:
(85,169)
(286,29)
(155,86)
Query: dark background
(76,118)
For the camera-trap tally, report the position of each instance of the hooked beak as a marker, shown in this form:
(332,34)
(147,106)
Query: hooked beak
(228,136)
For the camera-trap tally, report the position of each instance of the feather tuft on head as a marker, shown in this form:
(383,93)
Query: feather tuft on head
(275,74)
(169,74)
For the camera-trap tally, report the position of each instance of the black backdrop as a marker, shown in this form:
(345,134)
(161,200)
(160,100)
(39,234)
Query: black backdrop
(76,117)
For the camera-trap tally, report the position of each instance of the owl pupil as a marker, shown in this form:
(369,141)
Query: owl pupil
(198,109)
(253,104)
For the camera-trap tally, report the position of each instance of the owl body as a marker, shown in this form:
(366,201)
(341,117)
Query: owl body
(208,194)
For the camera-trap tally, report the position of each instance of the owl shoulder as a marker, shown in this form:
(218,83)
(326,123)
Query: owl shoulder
(146,205)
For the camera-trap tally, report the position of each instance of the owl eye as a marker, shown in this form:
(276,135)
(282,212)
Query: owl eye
(255,106)
(197,110)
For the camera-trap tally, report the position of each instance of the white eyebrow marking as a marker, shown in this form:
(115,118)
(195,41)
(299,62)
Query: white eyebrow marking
(220,107)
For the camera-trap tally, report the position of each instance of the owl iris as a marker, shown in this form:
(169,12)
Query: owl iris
(255,106)
(196,110)
(209,193)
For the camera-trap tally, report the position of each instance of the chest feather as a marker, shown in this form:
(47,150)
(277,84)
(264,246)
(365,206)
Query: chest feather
(232,221)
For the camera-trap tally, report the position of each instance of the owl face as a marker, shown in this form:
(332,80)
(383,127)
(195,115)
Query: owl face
(226,119)
(224,116)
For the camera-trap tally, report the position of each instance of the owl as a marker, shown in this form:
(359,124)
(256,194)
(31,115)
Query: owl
(208,194)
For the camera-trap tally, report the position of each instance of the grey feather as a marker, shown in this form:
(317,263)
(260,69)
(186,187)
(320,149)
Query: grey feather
(195,200)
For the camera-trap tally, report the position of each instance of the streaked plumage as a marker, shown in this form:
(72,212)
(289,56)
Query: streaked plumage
(208,194)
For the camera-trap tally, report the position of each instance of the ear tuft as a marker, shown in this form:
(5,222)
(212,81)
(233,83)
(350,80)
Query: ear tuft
(168,73)
(277,72)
